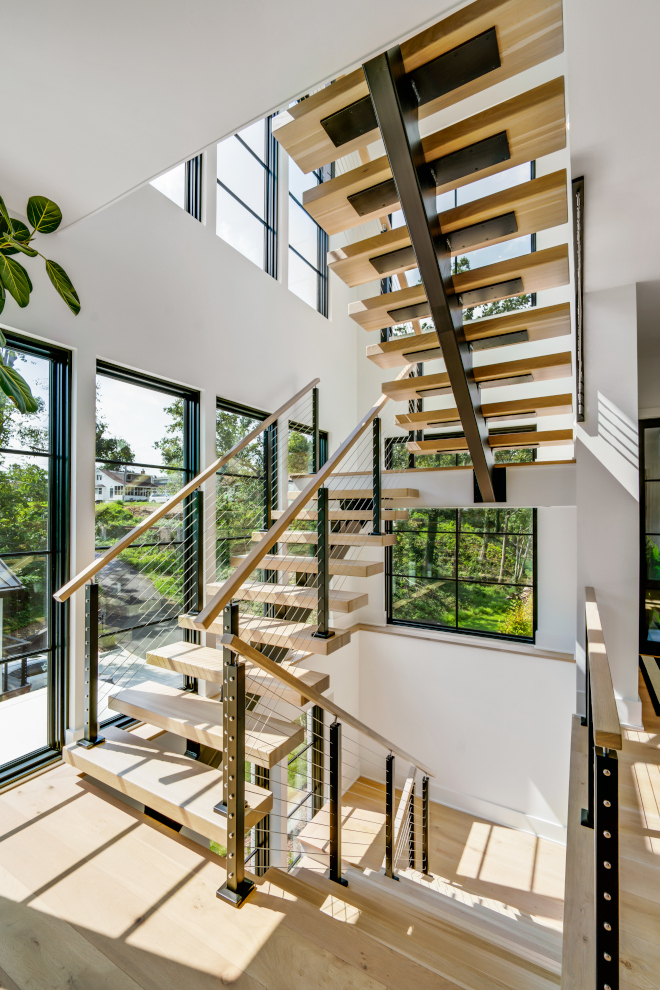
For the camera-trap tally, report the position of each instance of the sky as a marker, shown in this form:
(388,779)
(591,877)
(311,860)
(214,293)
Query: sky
(134,414)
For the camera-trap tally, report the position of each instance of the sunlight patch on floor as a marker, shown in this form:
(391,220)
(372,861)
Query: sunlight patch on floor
(339,910)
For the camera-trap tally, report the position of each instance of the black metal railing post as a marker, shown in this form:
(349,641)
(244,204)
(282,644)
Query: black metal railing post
(236,887)
(323,566)
(587,814)
(425,826)
(411,828)
(389,817)
(315,431)
(91,737)
(262,828)
(606,822)
(376,477)
(317,718)
(335,804)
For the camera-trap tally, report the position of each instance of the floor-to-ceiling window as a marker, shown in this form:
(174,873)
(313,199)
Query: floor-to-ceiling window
(466,570)
(147,448)
(308,243)
(649,634)
(34,486)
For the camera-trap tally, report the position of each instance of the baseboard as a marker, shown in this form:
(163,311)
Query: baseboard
(498,814)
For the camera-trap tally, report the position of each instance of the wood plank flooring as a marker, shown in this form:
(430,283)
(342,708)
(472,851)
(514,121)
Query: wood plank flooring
(639,861)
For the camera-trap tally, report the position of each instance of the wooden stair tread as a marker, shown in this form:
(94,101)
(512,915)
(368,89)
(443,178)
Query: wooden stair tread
(540,323)
(206,664)
(525,38)
(542,368)
(335,539)
(499,441)
(442,946)
(358,515)
(295,596)
(538,204)
(360,493)
(545,405)
(188,715)
(307,565)
(538,270)
(278,632)
(174,785)
(535,125)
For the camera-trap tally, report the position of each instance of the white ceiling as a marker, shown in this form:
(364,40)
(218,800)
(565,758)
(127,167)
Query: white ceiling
(101,97)
(613,97)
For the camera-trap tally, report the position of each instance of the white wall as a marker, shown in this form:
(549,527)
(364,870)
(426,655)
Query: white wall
(494,726)
(608,488)
(162,294)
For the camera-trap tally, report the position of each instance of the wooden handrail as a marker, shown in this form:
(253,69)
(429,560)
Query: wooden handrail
(99,563)
(605,717)
(222,597)
(237,645)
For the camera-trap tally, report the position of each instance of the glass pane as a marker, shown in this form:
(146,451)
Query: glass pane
(23,706)
(303,233)
(239,228)
(299,181)
(652,452)
(173,184)
(23,503)
(653,558)
(424,601)
(514,248)
(230,428)
(240,509)
(496,608)
(652,500)
(399,456)
(493,183)
(505,559)
(497,520)
(30,431)
(303,280)
(24,602)
(141,587)
(426,553)
(137,425)
(446,201)
(652,615)
(300,452)
(434,519)
(245,177)
(126,496)
(255,137)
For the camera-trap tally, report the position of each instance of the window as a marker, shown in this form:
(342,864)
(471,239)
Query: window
(34,489)
(466,570)
(308,243)
(650,536)
(183,185)
(247,194)
(147,448)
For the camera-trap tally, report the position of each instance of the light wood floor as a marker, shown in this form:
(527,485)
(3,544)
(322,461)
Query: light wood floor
(94,896)
(639,861)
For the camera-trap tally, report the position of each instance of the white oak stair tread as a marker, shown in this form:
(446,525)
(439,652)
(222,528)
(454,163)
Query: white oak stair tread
(206,664)
(307,565)
(358,515)
(537,271)
(535,125)
(499,441)
(278,632)
(295,596)
(537,205)
(360,493)
(539,323)
(335,539)
(545,405)
(442,946)
(526,35)
(188,715)
(174,785)
(545,367)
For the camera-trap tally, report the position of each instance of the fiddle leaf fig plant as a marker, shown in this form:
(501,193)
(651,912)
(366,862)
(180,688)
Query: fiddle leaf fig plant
(16,238)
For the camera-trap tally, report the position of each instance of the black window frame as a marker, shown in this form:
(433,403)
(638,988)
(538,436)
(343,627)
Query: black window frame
(269,165)
(322,174)
(460,630)
(646,646)
(59,509)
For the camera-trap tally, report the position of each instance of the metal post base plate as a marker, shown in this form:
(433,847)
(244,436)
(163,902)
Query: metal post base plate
(235,897)
(342,880)
(584,818)
(90,743)
(322,635)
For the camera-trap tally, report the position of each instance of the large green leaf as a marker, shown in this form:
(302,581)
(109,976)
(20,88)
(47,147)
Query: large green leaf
(5,215)
(16,280)
(18,390)
(21,233)
(3,296)
(44,215)
(3,339)
(17,246)
(64,286)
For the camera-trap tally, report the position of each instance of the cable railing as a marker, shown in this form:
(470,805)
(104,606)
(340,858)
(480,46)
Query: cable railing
(604,738)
